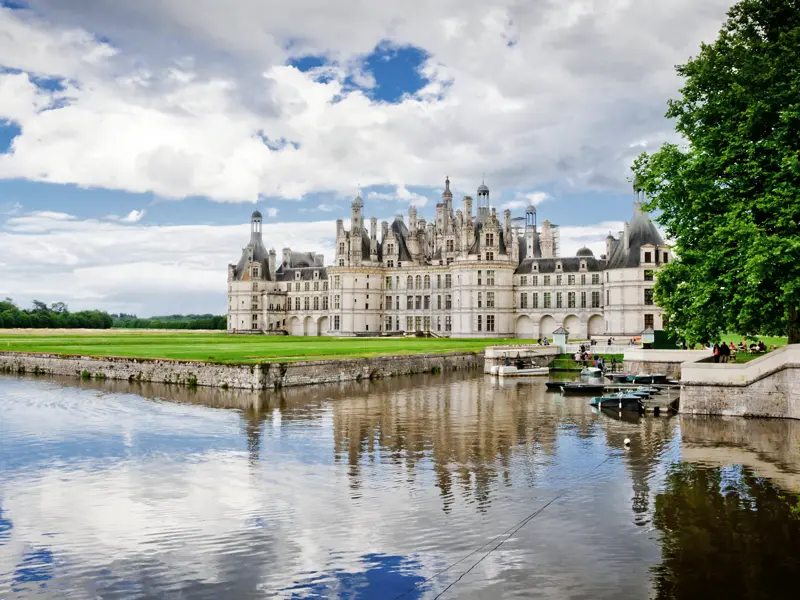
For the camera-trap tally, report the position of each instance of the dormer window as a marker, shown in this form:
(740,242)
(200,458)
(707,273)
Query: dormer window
(558,266)
(648,257)
(583,265)
(316,274)
(535,267)
(490,239)
(341,248)
(666,258)
(297,275)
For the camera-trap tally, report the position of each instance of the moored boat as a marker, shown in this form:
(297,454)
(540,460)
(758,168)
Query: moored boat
(575,389)
(512,371)
(591,372)
(621,401)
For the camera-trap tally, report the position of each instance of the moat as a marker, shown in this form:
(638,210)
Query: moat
(410,487)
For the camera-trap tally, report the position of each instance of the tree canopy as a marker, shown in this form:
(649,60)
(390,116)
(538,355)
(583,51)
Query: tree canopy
(729,197)
(56,316)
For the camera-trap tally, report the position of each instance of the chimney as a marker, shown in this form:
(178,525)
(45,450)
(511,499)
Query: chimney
(384,229)
(271,263)
(412,219)
(609,244)
(287,257)
(339,227)
(627,235)
(507,220)
(231,271)
(468,207)
(373,228)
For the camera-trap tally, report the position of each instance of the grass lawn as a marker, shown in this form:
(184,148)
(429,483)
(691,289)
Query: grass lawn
(224,348)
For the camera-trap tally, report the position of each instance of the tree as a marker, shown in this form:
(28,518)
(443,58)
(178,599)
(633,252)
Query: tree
(730,196)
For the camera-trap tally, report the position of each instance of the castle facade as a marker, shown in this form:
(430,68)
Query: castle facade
(466,274)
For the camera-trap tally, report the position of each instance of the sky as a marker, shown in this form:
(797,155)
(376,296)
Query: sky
(136,138)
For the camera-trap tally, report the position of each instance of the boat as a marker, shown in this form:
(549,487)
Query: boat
(512,371)
(650,378)
(622,401)
(619,377)
(575,389)
(591,372)
(555,386)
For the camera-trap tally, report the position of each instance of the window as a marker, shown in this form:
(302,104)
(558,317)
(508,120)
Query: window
(418,302)
(255,287)
(648,275)
(535,280)
(583,265)
(449,246)
(324,303)
(448,324)
(390,250)
(255,321)
(397,303)
(570,299)
(297,287)
(341,248)
(547,279)
(397,324)
(535,300)
(480,322)
(490,256)
(388,283)
(479,300)
(558,279)
(255,301)
(489,322)
(570,279)
(448,302)
(523,281)
(426,324)
(489,277)
(583,300)
(390,264)
(438,323)
(418,283)
(336,323)
(316,302)
(427,282)
(297,303)
(547,303)
(558,266)
(523,300)
(417,323)
(306,286)
(336,303)
(388,323)
(666,258)
(595,278)
(559,303)
(489,299)
(648,257)
(427,303)
(608,297)
(368,282)
(480,280)
(438,281)
(438,302)
(255,271)
(648,297)
(649,322)
(409,282)
(595,299)
(448,281)
(490,239)
(341,262)
(409,323)
(336,282)
(606,277)
(449,261)
(306,303)
(409,302)
(535,267)
(583,279)
(316,286)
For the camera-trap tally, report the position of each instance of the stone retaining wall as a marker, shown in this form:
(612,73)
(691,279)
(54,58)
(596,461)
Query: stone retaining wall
(256,376)
(641,361)
(768,386)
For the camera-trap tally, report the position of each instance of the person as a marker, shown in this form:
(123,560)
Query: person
(724,352)
(610,341)
(715,349)
(732,352)
(601,364)
(762,347)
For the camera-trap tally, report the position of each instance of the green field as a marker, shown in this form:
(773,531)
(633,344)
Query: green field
(224,348)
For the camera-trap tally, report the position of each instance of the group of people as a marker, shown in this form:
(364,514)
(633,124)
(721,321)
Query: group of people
(584,355)
(542,342)
(725,352)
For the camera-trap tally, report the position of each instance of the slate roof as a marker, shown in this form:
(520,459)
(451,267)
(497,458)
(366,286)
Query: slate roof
(641,233)
(306,273)
(571,264)
(260,255)
(476,247)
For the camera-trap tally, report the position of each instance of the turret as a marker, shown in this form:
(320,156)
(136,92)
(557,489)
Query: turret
(412,219)
(339,227)
(547,241)
(468,207)
(609,244)
(255,227)
(447,195)
(506,221)
(231,272)
(355,217)
(483,202)
(287,257)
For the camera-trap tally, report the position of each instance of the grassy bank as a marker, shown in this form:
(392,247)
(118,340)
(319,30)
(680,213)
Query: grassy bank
(224,348)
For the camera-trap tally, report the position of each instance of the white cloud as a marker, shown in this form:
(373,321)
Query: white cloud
(272,212)
(134,268)
(523,201)
(401,194)
(134,216)
(327,207)
(526,92)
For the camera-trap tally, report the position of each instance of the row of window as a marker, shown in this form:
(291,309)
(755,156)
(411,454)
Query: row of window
(419,302)
(559,279)
(419,282)
(418,323)
(489,323)
(547,300)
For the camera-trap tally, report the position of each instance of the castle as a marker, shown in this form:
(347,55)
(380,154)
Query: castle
(465,275)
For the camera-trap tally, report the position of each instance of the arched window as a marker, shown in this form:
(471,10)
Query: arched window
(418,282)
(427,282)
(410,282)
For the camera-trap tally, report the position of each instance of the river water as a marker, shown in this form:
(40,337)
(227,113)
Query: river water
(451,486)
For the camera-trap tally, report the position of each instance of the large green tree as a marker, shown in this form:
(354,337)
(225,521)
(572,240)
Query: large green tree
(729,197)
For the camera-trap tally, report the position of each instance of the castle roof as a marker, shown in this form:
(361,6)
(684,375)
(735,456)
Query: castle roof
(642,232)
(570,264)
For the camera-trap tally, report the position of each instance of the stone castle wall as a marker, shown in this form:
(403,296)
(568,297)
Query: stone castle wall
(264,375)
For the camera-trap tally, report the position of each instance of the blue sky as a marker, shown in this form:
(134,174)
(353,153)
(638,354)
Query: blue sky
(124,122)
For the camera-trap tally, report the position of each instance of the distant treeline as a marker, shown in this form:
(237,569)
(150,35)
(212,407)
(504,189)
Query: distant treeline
(55,316)
(171,322)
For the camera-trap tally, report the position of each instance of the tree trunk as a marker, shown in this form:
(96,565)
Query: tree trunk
(793,329)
